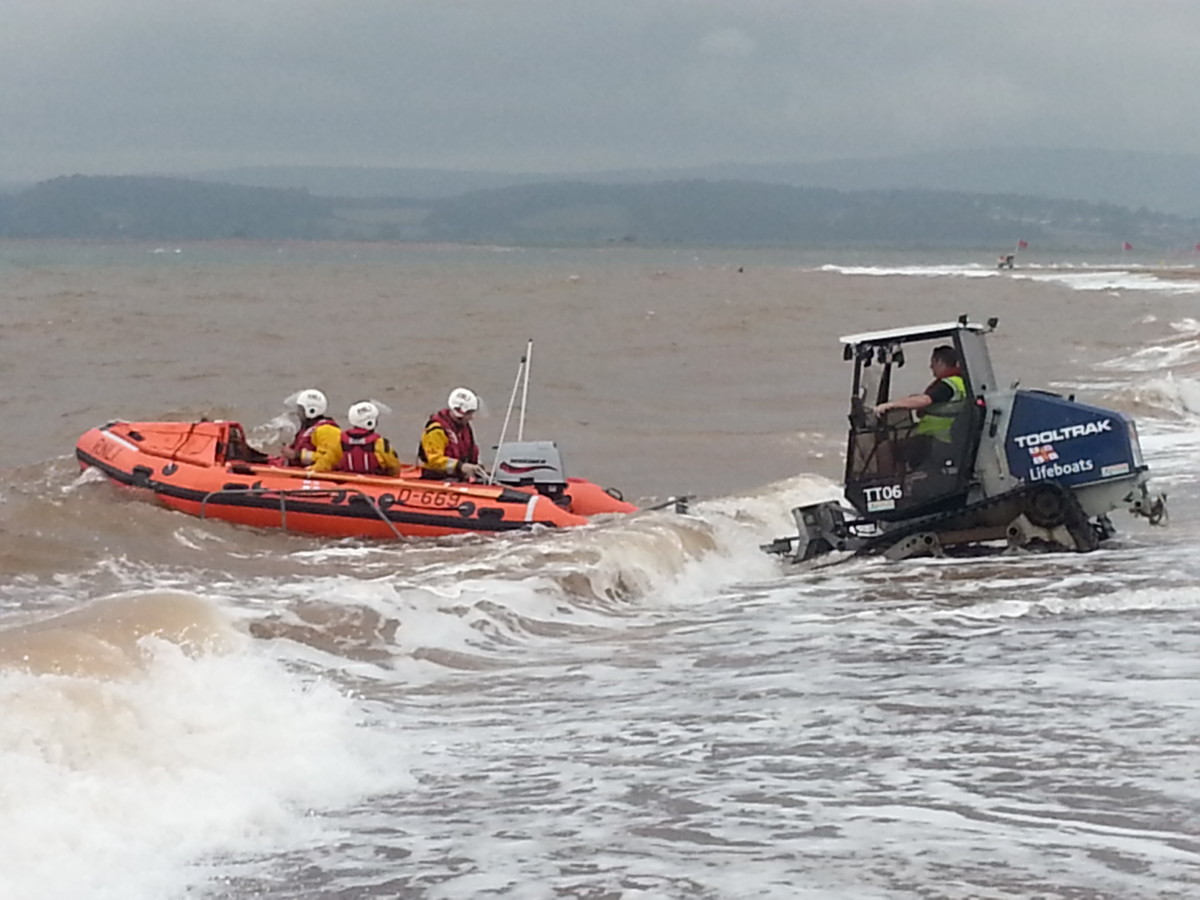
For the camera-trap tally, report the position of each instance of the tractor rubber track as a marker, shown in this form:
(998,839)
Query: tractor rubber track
(1067,512)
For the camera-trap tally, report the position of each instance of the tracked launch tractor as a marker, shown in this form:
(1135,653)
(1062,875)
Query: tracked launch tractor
(1026,467)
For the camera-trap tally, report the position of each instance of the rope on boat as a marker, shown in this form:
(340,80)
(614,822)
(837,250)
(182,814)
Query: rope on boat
(300,493)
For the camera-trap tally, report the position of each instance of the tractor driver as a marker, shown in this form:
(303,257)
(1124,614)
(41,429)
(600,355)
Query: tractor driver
(936,407)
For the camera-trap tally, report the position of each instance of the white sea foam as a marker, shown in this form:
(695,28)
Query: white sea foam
(87,476)
(1186,326)
(115,784)
(1114,280)
(1157,357)
(1155,599)
(1080,278)
(1167,395)
(466,605)
(1172,454)
(922,271)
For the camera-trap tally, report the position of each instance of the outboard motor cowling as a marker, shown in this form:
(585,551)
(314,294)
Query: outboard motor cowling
(525,463)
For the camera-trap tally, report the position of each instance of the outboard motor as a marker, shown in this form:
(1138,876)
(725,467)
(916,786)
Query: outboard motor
(531,463)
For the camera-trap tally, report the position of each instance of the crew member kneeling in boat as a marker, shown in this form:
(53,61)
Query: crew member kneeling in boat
(362,450)
(319,436)
(448,450)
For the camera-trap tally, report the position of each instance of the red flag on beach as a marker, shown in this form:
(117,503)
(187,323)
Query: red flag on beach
(1021,245)
(1128,246)
(1198,248)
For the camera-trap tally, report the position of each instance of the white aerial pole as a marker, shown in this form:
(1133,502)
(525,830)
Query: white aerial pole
(507,415)
(525,390)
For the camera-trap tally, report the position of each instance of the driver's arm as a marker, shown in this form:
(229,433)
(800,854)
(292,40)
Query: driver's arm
(912,401)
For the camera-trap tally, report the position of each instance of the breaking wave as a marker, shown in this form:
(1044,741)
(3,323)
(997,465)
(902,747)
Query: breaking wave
(144,732)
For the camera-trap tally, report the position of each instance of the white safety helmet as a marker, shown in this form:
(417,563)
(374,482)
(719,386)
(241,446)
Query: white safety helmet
(311,402)
(462,401)
(363,415)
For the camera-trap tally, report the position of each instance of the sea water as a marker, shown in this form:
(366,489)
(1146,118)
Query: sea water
(649,707)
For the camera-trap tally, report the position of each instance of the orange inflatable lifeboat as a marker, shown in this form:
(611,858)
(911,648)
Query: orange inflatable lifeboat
(207,469)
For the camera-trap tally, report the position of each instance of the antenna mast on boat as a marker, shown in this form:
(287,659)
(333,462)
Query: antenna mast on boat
(528,361)
(522,371)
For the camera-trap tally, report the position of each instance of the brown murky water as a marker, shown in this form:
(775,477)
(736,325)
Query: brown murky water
(702,371)
(650,708)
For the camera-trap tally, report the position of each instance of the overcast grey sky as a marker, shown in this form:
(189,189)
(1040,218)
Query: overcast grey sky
(121,86)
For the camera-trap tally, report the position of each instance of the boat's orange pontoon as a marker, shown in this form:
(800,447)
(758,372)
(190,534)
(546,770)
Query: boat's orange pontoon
(208,470)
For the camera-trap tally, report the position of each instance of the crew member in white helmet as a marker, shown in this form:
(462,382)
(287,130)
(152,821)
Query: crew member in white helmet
(319,438)
(448,450)
(362,450)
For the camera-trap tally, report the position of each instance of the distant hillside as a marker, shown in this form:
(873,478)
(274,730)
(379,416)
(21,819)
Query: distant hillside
(80,206)
(570,213)
(728,212)
(1160,182)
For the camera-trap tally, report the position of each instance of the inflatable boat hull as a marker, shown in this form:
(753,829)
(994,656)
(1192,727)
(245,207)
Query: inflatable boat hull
(205,469)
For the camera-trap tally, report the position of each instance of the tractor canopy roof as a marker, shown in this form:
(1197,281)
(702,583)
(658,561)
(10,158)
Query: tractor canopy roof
(916,333)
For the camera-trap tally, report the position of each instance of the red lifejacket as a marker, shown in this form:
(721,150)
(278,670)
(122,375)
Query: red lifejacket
(304,440)
(460,440)
(358,452)
(460,437)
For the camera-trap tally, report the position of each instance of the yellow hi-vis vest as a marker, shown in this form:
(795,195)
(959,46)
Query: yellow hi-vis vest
(937,418)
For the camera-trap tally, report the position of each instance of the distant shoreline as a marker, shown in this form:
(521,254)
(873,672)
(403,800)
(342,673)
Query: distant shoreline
(677,214)
(964,254)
